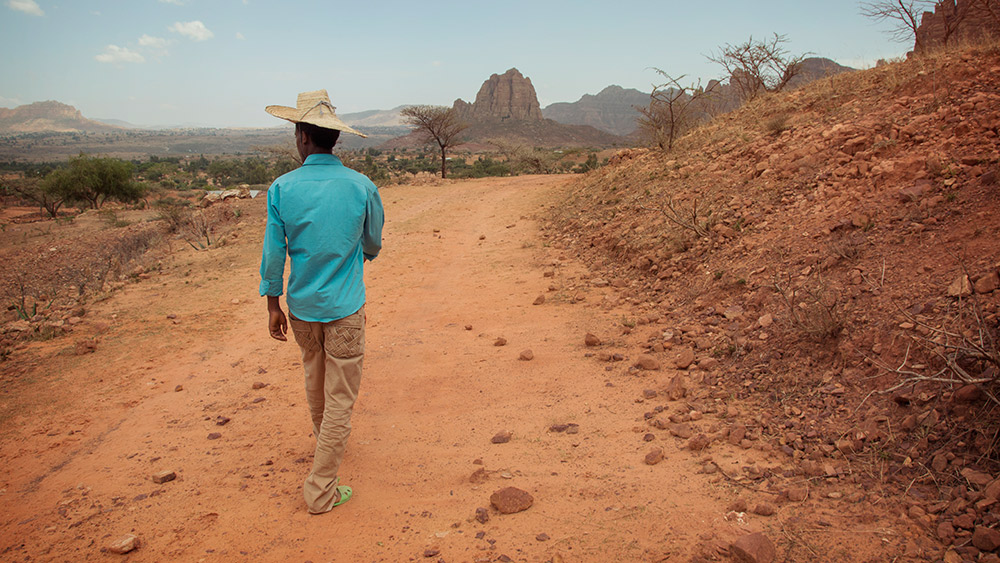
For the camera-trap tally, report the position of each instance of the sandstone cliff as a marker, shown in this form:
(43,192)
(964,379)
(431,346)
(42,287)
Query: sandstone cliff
(956,21)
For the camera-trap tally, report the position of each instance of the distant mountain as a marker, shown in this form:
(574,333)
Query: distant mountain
(48,117)
(374,118)
(612,110)
(815,68)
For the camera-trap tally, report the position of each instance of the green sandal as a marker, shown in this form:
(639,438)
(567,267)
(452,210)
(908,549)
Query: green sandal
(345,494)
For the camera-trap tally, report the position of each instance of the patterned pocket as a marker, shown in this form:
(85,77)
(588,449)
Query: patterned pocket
(304,335)
(345,338)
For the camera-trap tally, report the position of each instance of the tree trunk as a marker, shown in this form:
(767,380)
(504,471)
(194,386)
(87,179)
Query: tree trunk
(442,163)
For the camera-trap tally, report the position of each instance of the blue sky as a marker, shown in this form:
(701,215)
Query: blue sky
(219,62)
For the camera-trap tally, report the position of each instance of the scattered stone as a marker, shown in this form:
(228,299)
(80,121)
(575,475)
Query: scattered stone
(258,385)
(178,388)
(988,283)
(961,287)
(681,430)
(163,476)
(676,390)
(986,539)
(432,552)
(753,548)
(967,394)
(549,273)
(765,320)
(526,355)
(647,363)
(648,437)
(511,499)
(258,400)
(698,443)
(648,394)
(738,505)
(939,463)
(539,300)
(222,420)
(482,515)
(684,358)
(558,427)
(572,428)
(468,327)
(214,436)
(124,545)
(591,340)
(737,433)
(654,456)
(502,437)
(500,341)
(479,476)
(764,509)
(482,237)
(542,537)
(977,478)
(798,494)
(946,532)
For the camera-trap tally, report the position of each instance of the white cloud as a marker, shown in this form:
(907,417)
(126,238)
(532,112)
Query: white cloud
(153,42)
(195,30)
(9,102)
(240,36)
(116,54)
(27,6)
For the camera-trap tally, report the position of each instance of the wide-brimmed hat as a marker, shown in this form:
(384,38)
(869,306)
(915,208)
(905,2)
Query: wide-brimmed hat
(315,108)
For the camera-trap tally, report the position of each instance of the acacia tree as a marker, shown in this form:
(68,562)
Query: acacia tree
(50,193)
(757,67)
(95,180)
(437,124)
(671,110)
(903,16)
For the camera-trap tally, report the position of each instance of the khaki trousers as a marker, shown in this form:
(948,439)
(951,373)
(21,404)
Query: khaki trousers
(332,354)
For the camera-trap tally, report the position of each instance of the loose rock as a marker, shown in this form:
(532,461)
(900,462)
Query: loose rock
(510,500)
(591,340)
(502,437)
(258,385)
(764,509)
(526,355)
(163,476)
(500,341)
(482,515)
(753,548)
(986,539)
(539,300)
(655,456)
(124,545)
(214,436)
(648,363)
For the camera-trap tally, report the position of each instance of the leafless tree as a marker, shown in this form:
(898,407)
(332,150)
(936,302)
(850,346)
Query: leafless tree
(437,124)
(991,7)
(903,16)
(757,67)
(672,110)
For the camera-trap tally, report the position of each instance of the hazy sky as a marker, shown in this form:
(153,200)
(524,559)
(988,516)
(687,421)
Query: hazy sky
(219,62)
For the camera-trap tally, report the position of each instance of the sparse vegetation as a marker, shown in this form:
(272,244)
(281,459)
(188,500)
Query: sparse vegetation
(437,124)
(758,67)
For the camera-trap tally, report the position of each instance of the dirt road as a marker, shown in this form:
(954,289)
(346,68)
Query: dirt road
(463,265)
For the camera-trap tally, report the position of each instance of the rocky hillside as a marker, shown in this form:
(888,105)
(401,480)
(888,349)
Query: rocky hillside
(612,110)
(45,117)
(831,256)
(958,21)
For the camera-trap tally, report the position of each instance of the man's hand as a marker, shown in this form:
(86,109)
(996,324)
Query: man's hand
(277,324)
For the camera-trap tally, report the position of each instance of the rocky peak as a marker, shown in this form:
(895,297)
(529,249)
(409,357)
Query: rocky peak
(503,96)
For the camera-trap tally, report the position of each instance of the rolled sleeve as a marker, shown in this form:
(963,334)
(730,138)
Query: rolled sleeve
(371,241)
(272,263)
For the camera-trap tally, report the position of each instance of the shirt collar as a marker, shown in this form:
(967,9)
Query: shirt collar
(321,159)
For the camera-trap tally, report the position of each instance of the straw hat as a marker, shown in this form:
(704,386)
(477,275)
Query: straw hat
(313,107)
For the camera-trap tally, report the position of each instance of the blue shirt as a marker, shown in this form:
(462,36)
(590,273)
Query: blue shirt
(328,219)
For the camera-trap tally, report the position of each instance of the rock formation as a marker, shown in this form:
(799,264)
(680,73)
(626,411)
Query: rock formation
(612,110)
(958,20)
(504,96)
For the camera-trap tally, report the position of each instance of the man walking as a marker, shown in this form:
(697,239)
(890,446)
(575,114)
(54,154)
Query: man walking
(328,219)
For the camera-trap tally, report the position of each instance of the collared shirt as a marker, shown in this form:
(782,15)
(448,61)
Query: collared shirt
(328,219)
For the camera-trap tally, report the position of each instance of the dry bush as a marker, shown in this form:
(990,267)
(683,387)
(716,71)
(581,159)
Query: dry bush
(201,229)
(814,308)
